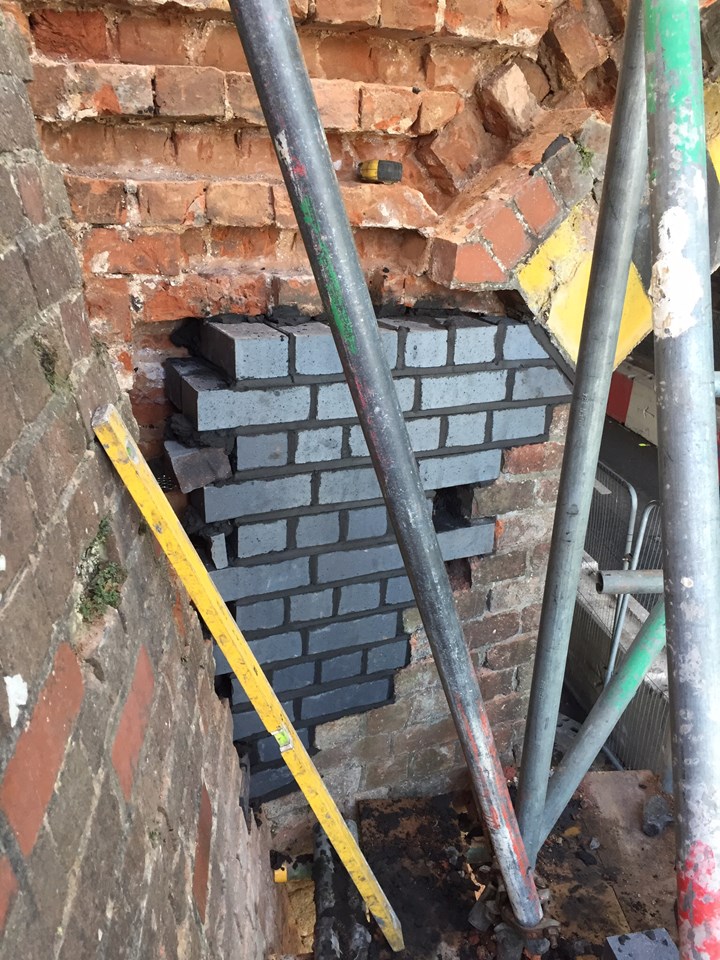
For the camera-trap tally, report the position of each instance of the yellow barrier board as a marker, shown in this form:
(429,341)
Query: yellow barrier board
(153,505)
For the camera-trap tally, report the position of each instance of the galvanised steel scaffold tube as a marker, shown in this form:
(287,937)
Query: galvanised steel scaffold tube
(602,719)
(271,46)
(618,218)
(688,456)
(614,582)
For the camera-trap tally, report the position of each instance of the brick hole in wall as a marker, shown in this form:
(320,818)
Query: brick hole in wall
(285,506)
(452,510)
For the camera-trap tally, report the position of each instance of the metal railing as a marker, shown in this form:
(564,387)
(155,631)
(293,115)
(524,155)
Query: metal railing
(619,537)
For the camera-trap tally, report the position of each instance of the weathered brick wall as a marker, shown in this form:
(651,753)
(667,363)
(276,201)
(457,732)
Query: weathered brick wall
(120,828)
(177,204)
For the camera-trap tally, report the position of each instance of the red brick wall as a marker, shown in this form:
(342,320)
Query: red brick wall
(177,205)
(120,829)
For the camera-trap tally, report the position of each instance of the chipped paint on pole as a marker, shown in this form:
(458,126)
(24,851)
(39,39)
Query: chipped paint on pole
(684,369)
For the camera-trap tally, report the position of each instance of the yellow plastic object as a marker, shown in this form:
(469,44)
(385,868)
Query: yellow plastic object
(555,282)
(712,123)
(380,171)
(280,875)
(136,475)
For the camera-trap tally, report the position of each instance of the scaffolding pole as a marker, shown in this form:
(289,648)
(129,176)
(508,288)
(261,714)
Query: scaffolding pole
(271,46)
(687,446)
(619,210)
(604,716)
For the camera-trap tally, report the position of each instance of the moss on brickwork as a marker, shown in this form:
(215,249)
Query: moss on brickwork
(586,157)
(101,577)
(48,360)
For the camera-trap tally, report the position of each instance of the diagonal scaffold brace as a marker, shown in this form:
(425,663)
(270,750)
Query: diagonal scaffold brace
(625,177)
(273,53)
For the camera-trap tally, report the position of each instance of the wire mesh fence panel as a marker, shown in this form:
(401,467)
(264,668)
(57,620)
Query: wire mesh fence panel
(650,550)
(607,543)
(639,738)
(612,519)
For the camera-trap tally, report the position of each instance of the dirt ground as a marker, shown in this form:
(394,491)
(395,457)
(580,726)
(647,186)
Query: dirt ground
(606,877)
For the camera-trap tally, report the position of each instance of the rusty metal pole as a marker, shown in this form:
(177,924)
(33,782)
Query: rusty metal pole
(687,444)
(271,46)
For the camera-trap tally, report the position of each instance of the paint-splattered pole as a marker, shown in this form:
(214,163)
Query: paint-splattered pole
(682,321)
(273,53)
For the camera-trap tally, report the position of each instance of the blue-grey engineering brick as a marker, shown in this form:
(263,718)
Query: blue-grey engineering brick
(348,564)
(466,429)
(316,528)
(195,467)
(345,699)
(388,656)
(221,665)
(424,435)
(247,723)
(535,383)
(399,590)
(462,390)
(315,350)
(268,750)
(425,345)
(315,445)
(460,469)
(469,541)
(283,646)
(178,371)
(520,344)
(264,783)
(342,667)
(294,677)
(353,633)
(311,606)
(518,422)
(217,547)
(359,596)
(367,522)
(389,341)
(335,402)
(253,496)
(236,583)
(339,486)
(256,538)
(210,405)
(263,615)
(474,341)
(238,694)
(265,450)
(246,351)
